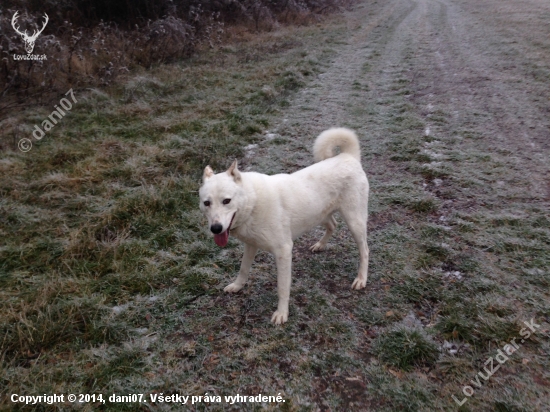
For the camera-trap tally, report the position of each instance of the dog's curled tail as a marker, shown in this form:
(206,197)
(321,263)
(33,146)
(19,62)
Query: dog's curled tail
(330,139)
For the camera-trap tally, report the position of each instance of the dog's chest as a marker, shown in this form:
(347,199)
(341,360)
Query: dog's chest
(250,236)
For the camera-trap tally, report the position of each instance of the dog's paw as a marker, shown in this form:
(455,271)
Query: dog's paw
(232,288)
(279,317)
(317,247)
(359,283)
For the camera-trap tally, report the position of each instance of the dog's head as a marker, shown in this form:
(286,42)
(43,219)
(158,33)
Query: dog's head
(221,196)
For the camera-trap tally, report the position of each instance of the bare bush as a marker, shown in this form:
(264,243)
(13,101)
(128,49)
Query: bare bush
(92,41)
(165,39)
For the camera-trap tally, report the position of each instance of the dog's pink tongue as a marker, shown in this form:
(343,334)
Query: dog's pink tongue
(222,239)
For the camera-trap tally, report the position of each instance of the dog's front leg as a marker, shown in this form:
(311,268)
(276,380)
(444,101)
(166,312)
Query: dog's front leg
(246,263)
(283,257)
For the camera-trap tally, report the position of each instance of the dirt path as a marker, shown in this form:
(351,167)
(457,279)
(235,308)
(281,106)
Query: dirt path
(471,74)
(460,60)
(478,77)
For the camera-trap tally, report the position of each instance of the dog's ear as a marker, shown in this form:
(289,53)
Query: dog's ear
(208,173)
(233,171)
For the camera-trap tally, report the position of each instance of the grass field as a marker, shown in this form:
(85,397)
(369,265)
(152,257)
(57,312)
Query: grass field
(110,282)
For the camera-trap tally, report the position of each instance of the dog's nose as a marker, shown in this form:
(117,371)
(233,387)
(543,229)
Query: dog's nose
(216,228)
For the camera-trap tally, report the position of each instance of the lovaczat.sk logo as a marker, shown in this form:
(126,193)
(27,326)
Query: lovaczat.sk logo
(29,40)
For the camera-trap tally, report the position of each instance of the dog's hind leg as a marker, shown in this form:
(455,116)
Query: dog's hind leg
(358,228)
(246,263)
(330,225)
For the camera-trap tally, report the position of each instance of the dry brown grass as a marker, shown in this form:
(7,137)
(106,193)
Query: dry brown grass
(95,52)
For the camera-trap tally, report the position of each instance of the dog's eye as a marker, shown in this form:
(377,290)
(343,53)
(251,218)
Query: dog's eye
(226,201)
(207,203)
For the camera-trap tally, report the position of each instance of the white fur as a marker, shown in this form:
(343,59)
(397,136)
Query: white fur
(271,211)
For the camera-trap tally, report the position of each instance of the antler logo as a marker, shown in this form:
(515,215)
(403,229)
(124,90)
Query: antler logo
(29,40)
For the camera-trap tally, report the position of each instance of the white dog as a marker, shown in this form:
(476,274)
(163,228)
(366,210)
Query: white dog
(269,212)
